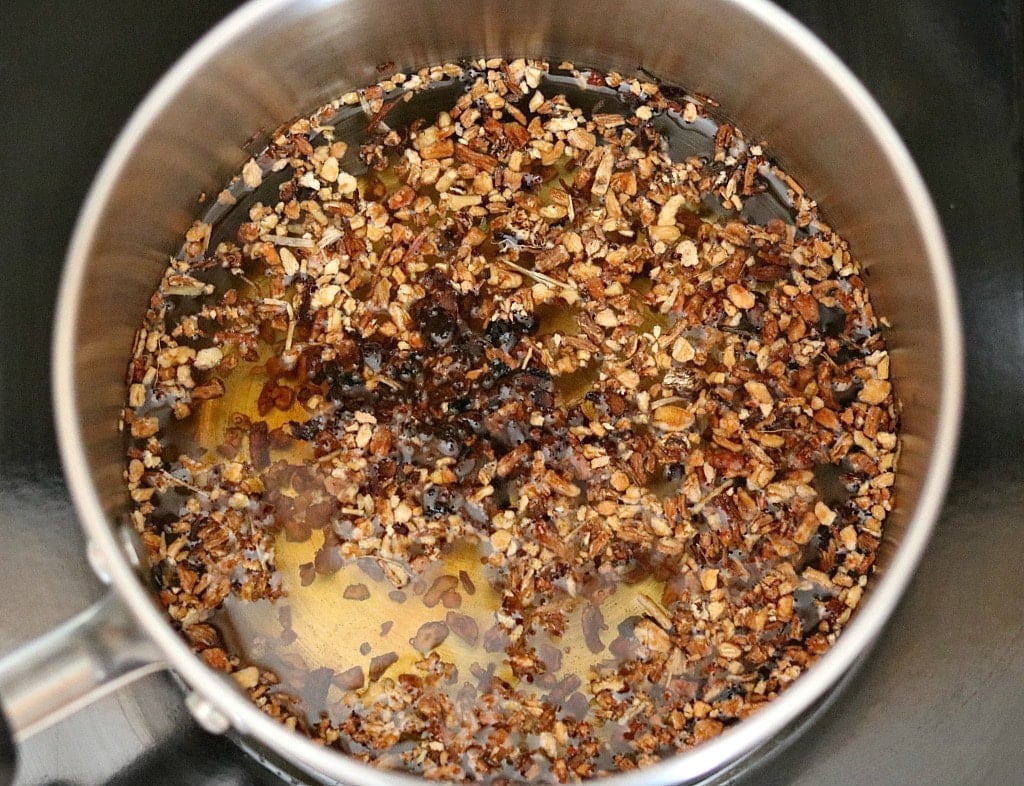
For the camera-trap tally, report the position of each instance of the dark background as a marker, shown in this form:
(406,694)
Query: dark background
(940,700)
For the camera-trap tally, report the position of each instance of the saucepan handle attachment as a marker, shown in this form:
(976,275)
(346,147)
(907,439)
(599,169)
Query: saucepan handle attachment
(64,670)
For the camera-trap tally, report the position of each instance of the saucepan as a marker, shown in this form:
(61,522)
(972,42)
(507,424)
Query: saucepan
(274,59)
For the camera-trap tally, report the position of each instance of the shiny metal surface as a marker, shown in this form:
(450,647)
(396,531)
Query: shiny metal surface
(894,721)
(75,664)
(273,59)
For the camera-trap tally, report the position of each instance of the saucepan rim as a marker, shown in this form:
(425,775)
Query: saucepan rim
(237,708)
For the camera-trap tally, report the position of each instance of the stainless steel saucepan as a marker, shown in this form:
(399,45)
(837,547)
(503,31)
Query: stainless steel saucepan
(274,59)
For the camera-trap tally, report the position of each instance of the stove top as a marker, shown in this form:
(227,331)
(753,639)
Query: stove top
(939,699)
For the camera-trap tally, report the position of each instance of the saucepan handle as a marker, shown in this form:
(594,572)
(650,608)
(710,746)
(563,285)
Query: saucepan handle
(71,666)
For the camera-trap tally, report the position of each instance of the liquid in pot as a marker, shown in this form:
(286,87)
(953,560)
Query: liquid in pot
(511,421)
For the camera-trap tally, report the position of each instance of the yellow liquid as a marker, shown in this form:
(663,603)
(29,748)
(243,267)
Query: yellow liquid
(338,641)
(318,627)
(333,624)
